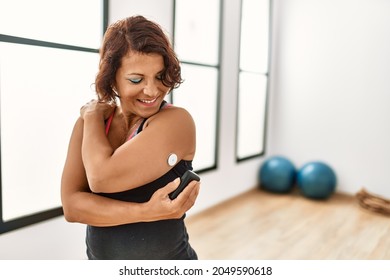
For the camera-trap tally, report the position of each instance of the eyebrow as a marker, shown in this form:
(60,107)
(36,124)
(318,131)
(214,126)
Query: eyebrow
(139,74)
(134,74)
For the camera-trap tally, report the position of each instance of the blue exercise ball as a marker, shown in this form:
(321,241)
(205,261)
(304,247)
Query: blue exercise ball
(277,174)
(316,180)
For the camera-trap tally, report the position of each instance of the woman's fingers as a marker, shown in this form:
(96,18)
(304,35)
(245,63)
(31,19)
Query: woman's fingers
(97,107)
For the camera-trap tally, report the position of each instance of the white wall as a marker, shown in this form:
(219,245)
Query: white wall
(330,90)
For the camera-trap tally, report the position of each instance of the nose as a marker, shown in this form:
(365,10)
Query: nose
(151,89)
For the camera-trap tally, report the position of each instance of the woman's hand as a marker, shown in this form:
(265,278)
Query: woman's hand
(101,108)
(161,207)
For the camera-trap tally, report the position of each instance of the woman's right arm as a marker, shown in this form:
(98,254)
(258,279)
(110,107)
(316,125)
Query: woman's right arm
(82,206)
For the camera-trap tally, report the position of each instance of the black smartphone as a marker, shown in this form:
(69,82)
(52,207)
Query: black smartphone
(187,177)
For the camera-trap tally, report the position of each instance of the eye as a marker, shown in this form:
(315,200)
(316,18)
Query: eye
(135,80)
(159,77)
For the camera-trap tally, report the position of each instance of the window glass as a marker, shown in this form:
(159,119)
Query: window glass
(70,22)
(197,31)
(198,94)
(254,36)
(251,108)
(253,78)
(159,11)
(40,88)
(196,41)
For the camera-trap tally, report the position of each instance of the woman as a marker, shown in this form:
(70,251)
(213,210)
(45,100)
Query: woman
(128,149)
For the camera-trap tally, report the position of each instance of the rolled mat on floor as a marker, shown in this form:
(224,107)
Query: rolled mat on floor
(373,202)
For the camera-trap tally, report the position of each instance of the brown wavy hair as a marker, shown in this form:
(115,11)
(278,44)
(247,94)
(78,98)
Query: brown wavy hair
(135,34)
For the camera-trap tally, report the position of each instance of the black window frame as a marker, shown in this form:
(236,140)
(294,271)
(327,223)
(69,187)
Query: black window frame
(267,75)
(17,223)
(217,66)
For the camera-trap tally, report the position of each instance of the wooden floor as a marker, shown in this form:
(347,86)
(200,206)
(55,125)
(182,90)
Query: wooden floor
(262,225)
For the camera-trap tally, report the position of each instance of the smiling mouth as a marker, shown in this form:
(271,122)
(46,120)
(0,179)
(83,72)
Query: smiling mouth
(147,101)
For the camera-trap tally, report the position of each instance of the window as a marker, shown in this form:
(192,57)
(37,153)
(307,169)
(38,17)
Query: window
(197,43)
(47,67)
(253,78)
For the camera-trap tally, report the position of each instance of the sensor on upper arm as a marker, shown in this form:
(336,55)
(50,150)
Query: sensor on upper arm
(172,159)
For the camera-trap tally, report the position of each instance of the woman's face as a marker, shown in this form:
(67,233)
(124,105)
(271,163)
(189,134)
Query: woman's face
(139,85)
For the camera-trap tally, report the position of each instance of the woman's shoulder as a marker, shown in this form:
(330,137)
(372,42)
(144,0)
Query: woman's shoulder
(170,108)
(173,115)
(173,112)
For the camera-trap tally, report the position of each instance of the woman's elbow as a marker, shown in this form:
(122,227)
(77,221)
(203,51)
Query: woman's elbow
(70,215)
(98,180)
(96,184)
(72,210)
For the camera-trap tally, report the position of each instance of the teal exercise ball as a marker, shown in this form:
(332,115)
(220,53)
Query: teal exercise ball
(316,180)
(277,174)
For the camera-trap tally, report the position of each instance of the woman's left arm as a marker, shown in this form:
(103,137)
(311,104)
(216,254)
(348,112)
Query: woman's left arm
(141,160)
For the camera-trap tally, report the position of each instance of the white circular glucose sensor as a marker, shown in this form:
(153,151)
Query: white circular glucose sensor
(172,159)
